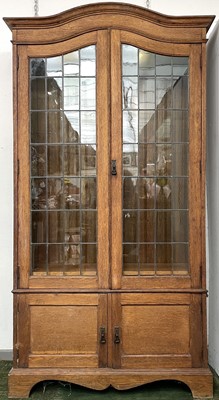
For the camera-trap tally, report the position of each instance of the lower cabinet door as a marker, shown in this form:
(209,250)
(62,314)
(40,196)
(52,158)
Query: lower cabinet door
(156,330)
(62,330)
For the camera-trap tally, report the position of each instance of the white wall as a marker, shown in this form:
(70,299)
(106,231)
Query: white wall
(47,7)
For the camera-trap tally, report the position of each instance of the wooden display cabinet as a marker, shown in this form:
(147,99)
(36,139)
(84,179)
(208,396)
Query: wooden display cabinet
(109,128)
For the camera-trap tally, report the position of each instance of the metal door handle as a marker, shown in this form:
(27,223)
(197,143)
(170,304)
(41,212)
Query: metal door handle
(116,335)
(113,167)
(102,335)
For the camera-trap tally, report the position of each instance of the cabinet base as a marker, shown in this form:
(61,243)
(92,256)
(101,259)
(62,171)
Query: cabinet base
(21,380)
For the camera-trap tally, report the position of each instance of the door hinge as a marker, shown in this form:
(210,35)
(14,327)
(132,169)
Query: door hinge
(17,353)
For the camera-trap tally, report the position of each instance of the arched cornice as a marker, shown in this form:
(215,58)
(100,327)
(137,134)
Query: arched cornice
(83,19)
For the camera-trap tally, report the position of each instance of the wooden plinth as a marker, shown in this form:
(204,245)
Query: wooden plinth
(21,380)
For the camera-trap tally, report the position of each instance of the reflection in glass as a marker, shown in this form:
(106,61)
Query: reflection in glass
(87,93)
(38,127)
(54,66)
(54,126)
(130,226)
(155,163)
(71,63)
(146,63)
(130,126)
(130,60)
(38,160)
(130,259)
(54,93)
(39,226)
(38,90)
(88,160)
(88,127)
(54,160)
(71,93)
(63,163)
(71,160)
(88,61)
(55,227)
(130,92)
(71,127)
(146,93)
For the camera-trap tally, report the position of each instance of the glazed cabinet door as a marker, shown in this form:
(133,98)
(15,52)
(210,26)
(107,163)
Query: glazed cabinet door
(63,239)
(156,144)
(62,330)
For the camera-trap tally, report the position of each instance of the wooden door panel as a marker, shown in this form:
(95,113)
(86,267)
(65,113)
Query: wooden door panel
(156,330)
(64,330)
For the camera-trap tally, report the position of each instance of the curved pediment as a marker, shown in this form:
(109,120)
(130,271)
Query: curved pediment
(92,17)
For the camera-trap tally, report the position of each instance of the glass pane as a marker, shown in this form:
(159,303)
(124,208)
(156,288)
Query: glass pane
(37,67)
(87,93)
(164,92)
(38,194)
(147,126)
(172,193)
(72,193)
(180,92)
(39,259)
(145,192)
(54,93)
(89,259)
(55,193)
(146,63)
(63,163)
(38,160)
(39,227)
(54,66)
(130,92)
(71,63)
(155,163)
(55,227)
(129,193)
(180,126)
(54,160)
(163,65)
(88,160)
(130,259)
(72,227)
(130,226)
(130,60)
(71,160)
(163,126)
(130,126)
(88,127)
(88,61)
(71,93)
(146,226)
(54,126)
(38,94)
(147,159)
(38,127)
(89,226)
(130,159)
(55,259)
(146,93)
(88,193)
(71,127)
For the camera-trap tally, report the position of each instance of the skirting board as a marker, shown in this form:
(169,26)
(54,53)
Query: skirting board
(6,355)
